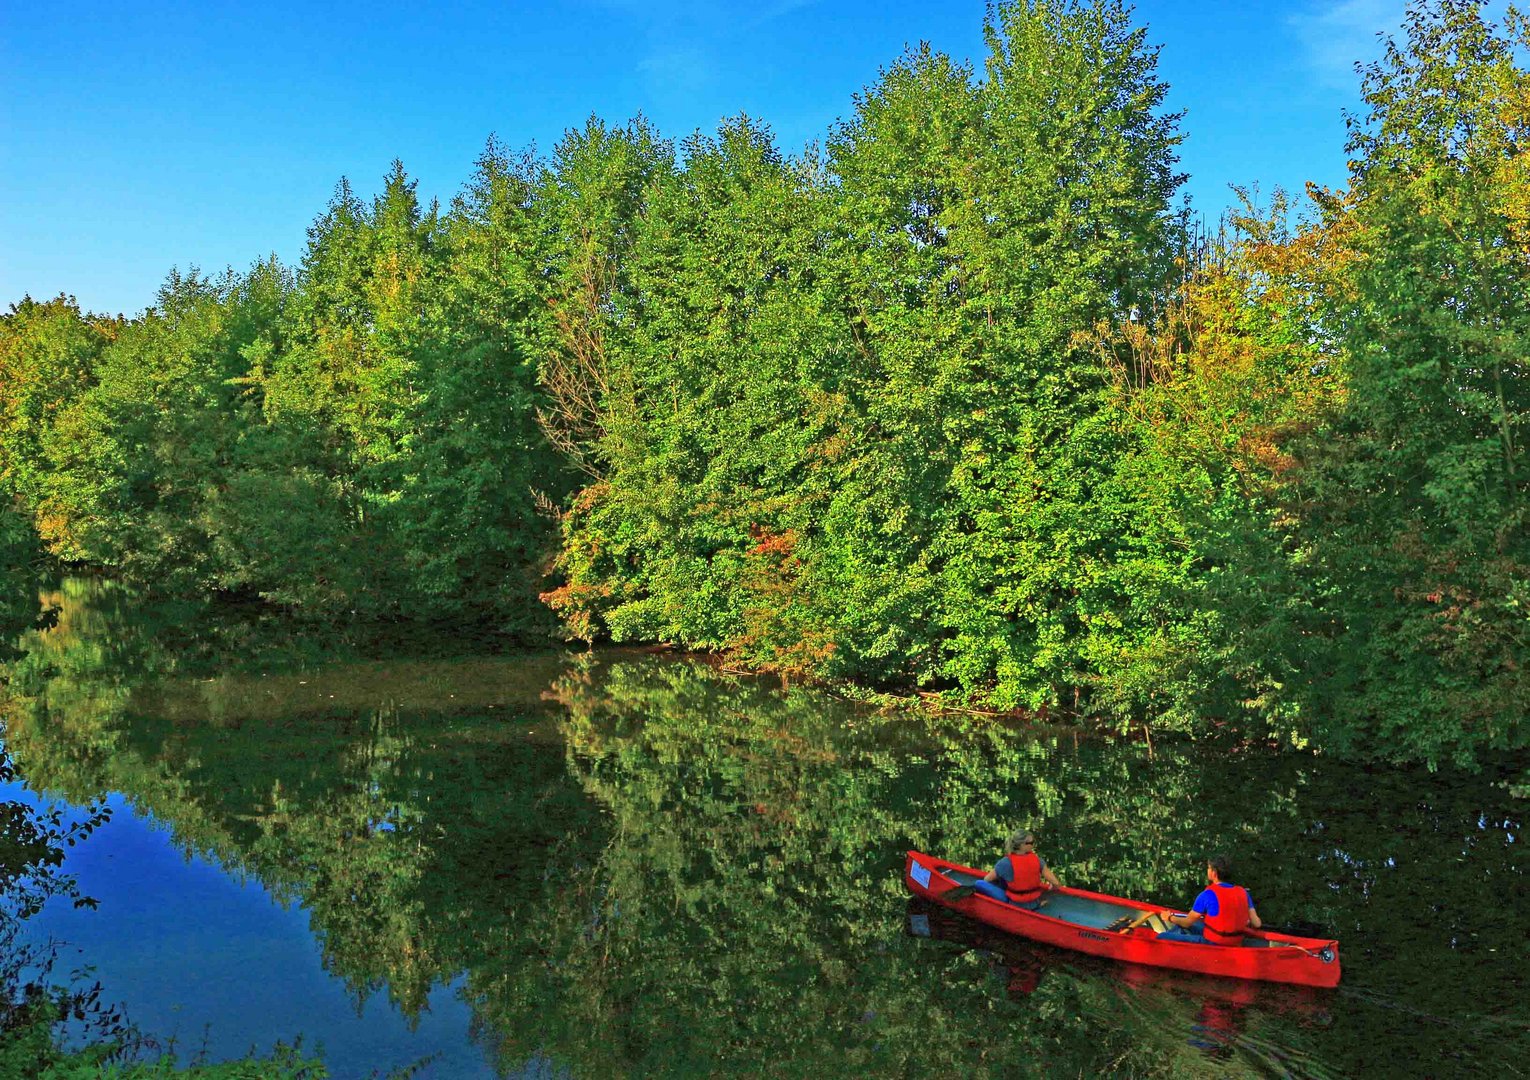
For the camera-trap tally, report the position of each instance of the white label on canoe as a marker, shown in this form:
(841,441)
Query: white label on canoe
(920,873)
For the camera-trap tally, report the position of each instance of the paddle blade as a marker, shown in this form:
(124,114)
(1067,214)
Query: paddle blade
(961,892)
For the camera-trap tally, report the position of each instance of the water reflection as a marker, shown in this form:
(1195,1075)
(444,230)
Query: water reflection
(640,864)
(1215,1022)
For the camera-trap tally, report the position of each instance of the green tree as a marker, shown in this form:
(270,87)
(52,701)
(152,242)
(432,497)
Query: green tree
(722,356)
(483,480)
(134,463)
(1409,547)
(904,164)
(1048,569)
(342,397)
(1211,395)
(588,200)
(48,357)
(990,228)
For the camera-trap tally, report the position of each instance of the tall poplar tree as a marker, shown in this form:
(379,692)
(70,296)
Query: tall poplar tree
(898,267)
(1046,563)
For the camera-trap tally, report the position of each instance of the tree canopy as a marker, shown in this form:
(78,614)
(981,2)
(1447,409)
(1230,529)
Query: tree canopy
(961,403)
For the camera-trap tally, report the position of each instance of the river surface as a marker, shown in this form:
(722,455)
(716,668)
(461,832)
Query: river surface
(560,865)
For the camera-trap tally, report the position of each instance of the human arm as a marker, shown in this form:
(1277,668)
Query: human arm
(1049,877)
(1253,916)
(1205,905)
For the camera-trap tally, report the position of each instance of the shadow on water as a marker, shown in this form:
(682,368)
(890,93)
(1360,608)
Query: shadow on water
(543,865)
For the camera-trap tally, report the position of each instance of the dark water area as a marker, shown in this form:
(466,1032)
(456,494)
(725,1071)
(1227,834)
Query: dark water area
(560,865)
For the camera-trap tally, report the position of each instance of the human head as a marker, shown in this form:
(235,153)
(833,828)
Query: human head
(1021,840)
(1220,865)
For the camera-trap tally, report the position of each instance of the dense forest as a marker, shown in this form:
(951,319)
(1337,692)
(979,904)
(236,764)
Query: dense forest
(962,402)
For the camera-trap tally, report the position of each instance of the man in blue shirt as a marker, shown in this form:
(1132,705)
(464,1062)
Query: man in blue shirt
(1219,916)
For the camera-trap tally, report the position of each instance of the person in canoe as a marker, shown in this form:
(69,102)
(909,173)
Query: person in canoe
(1021,875)
(1221,914)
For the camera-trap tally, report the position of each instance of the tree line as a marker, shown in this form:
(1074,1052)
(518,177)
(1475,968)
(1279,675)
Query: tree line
(960,402)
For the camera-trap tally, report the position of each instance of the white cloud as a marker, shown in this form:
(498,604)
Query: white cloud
(1336,36)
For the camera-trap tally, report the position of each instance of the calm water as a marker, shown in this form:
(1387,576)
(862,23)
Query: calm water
(556,866)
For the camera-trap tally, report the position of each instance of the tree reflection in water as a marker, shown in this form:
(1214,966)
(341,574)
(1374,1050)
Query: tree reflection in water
(643,864)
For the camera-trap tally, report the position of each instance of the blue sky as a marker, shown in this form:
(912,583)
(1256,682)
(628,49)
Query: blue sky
(139,136)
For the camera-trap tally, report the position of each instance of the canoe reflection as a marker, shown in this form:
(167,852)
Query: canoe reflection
(1213,1013)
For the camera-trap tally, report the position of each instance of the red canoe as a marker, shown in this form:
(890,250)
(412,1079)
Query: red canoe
(1076,919)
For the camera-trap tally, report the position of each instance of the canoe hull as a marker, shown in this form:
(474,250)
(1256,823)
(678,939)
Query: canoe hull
(1279,957)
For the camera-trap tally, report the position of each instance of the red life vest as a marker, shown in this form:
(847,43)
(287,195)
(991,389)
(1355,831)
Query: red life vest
(1226,927)
(1024,884)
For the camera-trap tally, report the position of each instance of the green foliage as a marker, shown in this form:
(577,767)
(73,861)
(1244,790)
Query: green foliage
(862,434)
(706,460)
(954,406)
(1384,612)
(136,462)
(48,357)
(1431,625)
(1232,370)
(999,221)
(358,437)
(282,1063)
(397,462)
(33,1050)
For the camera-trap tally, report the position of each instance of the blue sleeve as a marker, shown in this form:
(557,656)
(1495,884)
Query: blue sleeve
(1250,899)
(1002,869)
(1206,903)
